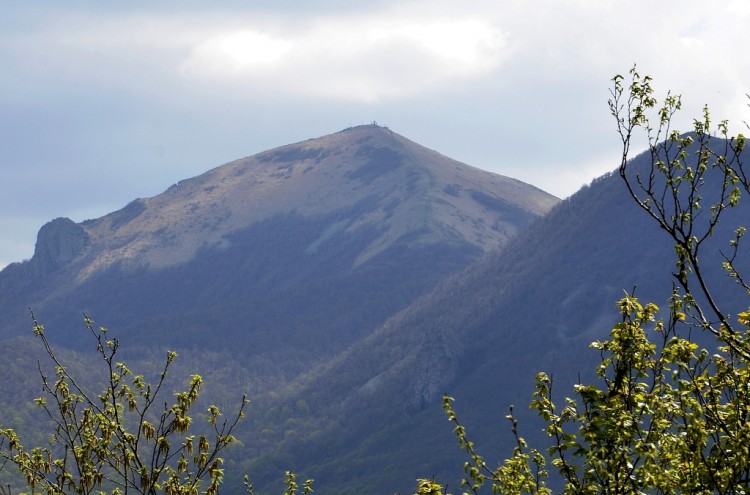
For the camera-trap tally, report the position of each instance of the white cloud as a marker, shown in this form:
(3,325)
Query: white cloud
(226,55)
(362,57)
(354,58)
(739,8)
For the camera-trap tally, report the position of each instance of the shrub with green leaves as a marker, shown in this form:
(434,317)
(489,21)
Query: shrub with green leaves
(126,439)
(665,415)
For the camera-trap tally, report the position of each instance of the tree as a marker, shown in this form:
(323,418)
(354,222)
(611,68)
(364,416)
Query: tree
(667,415)
(126,439)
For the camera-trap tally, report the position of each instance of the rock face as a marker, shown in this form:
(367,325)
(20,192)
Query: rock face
(58,242)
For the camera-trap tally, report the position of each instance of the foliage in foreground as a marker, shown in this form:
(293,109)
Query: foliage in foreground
(126,439)
(667,415)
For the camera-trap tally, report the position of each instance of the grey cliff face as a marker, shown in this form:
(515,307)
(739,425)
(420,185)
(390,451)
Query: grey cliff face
(58,243)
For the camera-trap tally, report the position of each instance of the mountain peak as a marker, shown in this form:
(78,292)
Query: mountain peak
(385,181)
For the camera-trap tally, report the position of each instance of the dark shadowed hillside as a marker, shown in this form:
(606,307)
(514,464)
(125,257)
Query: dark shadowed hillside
(482,336)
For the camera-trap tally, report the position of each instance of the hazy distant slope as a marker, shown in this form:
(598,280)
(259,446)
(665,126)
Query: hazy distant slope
(285,257)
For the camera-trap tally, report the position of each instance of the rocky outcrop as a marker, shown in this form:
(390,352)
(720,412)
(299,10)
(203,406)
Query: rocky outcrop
(432,370)
(57,244)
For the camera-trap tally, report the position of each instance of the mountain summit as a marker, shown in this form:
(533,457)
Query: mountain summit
(382,180)
(313,244)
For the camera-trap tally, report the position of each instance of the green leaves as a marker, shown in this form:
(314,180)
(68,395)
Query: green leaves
(118,440)
(428,487)
(691,174)
(290,480)
(665,417)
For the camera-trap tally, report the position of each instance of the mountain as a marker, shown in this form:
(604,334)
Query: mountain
(284,258)
(348,282)
(481,336)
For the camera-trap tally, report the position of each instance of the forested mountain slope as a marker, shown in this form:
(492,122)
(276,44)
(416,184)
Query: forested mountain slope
(535,305)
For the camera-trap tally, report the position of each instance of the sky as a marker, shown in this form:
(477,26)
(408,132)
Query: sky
(105,102)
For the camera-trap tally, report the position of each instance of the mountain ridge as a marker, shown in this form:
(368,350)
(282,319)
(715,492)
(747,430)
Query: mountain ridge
(313,177)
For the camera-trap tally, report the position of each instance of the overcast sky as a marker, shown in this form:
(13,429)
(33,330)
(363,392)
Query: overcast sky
(105,102)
